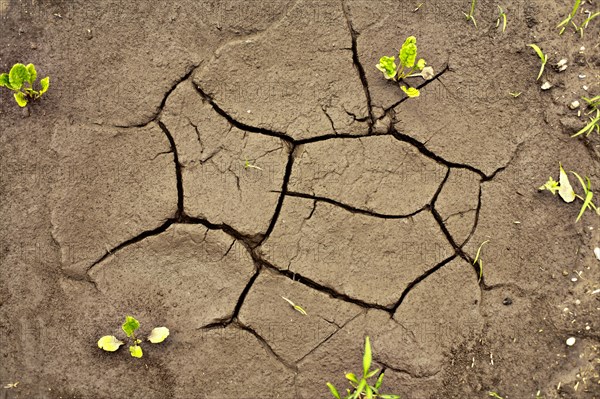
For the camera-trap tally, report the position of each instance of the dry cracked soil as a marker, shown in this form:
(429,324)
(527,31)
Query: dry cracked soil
(196,161)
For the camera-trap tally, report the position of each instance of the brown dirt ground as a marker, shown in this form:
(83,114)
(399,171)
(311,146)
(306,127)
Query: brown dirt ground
(125,191)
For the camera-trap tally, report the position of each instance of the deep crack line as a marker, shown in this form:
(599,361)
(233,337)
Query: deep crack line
(430,154)
(267,346)
(155,116)
(284,186)
(352,209)
(320,287)
(357,64)
(240,125)
(178,174)
(416,282)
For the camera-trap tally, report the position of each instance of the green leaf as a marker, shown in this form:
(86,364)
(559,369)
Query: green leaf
(368,392)
(408,52)
(360,388)
(21,99)
(136,351)
(334,391)
(32,73)
(130,325)
(109,343)
(158,335)
(17,75)
(379,381)
(372,373)
(586,204)
(45,83)
(389,396)
(387,65)
(367,357)
(4,81)
(421,64)
(542,57)
(566,190)
(411,91)
(352,378)
(551,185)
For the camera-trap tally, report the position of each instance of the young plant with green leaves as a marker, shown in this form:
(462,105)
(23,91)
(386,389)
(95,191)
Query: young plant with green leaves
(409,64)
(568,195)
(501,18)
(20,80)
(110,343)
(594,123)
(543,57)
(362,388)
(477,259)
(585,23)
(297,308)
(569,20)
(471,15)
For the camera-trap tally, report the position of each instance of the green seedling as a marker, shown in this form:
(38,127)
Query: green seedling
(110,343)
(495,395)
(407,57)
(515,94)
(471,15)
(480,260)
(298,308)
(501,17)
(593,103)
(585,23)
(21,79)
(566,192)
(543,58)
(594,124)
(361,388)
(418,7)
(248,165)
(569,20)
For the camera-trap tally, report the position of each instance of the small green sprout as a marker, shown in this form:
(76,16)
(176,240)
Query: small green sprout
(495,395)
(471,15)
(594,124)
(298,308)
(515,94)
(16,79)
(566,192)
(585,23)
(362,388)
(480,260)
(408,66)
(501,17)
(418,7)
(110,343)
(543,58)
(248,165)
(563,25)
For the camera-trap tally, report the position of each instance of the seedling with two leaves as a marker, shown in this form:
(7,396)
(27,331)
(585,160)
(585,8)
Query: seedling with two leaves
(501,18)
(361,388)
(594,124)
(471,15)
(408,66)
(543,58)
(21,79)
(110,343)
(569,20)
(568,195)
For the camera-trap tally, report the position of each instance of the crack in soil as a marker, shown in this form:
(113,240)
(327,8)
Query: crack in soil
(266,345)
(352,209)
(357,64)
(179,183)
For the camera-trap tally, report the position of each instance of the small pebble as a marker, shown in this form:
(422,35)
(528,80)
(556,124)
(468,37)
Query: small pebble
(574,279)
(597,253)
(578,302)
(507,301)
(581,76)
(565,273)
(547,85)
(562,62)
(584,87)
(582,48)
(574,105)
(571,341)
(588,328)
